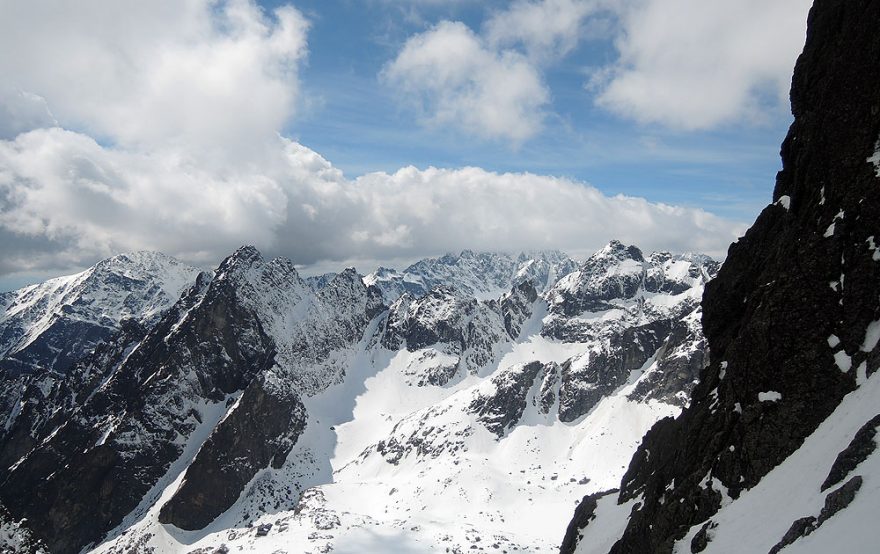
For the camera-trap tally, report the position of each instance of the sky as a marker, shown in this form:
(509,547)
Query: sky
(379,131)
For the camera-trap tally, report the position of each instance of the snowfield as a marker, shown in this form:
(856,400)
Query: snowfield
(517,492)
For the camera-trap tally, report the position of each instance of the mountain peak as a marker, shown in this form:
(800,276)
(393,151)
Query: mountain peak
(616,249)
(241,260)
(247,252)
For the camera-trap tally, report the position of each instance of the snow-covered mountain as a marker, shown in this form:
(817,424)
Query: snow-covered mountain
(436,421)
(46,328)
(55,323)
(484,275)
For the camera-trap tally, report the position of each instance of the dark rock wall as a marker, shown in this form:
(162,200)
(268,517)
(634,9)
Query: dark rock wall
(261,430)
(786,287)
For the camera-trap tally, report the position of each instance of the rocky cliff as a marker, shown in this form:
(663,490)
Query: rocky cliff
(792,320)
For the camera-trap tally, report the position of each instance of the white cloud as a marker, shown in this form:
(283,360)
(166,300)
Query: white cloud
(459,81)
(684,64)
(692,64)
(210,76)
(490,84)
(547,29)
(167,138)
(84,201)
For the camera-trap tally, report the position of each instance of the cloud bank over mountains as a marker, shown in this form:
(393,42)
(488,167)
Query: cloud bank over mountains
(159,125)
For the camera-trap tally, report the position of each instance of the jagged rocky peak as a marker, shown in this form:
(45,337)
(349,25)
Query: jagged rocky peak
(616,250)
(438,316)
(50,325)
(675,273)
(620,272)
(618,287)
(317,282)
(485,275)
(517,306)
(348,289)
(455,332)
(614,272)
(792,321)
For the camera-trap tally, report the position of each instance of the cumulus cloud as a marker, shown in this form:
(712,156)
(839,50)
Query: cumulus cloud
(692,64)
(546,29)
(456,79)
(160,130)
(64,188)
(490,84)
(206,76)
(684,64)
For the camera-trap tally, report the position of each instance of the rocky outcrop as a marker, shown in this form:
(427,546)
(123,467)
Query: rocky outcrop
(459,330)
(677,364)
(260,431)
(516,307)
(502,409)
(583,515)
(858,450)
(614,272)
(92,470)
(618,288)
(792,309)
(589,378)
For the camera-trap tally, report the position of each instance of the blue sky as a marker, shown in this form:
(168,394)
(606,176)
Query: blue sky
(341,133)
(354,119)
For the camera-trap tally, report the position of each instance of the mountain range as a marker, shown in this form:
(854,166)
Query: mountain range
(332,411)
(630,402)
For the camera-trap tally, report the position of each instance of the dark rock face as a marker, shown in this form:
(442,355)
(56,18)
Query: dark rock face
(46,399)
(16,538)
(426,321)
(516,307)
(88,447)
(703,537)
(800,528)
(858,450)
(799,289)
(261,429)
(839,499)
(451,323)
(585,384)
(502,410)
(120,440)
(59,346)
(680,359)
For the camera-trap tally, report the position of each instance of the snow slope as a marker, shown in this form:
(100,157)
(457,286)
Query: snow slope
(461,486)
(760,517)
